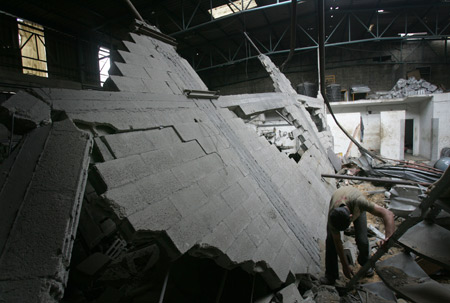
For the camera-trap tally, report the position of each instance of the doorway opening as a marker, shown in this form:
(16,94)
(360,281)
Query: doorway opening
(409,136)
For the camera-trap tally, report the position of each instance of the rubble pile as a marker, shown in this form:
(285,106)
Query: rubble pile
(410,87)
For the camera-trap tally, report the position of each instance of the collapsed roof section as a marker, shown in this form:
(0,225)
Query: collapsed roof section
(188,171)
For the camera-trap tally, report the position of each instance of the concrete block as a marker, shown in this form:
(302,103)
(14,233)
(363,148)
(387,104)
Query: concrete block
(39,245)
(221,237)
(135,48)
(197,169)
(28,111)
(187,232)
(158,186)
(213,212)
(266,252)
(277,236)
(188,200)
(235,195)
(280,266)
(158,216)
(238,220)
(218,181)
(126,84)
(102,150)
(119,172)
(257,230)
(139,142)
(242,249)
(131,71)
(290,294)
(253,205)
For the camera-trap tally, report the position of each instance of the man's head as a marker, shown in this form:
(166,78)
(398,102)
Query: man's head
(340,217)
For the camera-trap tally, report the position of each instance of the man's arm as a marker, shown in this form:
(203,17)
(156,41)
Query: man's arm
(340,251)
(388,220)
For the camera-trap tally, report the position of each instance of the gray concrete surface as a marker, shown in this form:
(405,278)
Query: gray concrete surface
(190,172)
(41,196)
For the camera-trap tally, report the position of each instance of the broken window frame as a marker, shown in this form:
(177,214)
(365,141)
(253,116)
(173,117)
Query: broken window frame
(38,50)
(104,62)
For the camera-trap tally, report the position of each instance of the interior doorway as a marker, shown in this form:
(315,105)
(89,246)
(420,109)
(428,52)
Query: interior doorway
(409,136)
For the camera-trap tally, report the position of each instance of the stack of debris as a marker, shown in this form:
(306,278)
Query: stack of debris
(411,87)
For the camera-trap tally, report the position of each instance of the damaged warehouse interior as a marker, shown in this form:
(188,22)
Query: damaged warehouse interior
(187,151)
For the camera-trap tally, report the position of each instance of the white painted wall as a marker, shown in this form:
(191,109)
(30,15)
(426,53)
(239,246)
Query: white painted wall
(441,112)
(426,130)
(392,134)
(349,122)
(371,139)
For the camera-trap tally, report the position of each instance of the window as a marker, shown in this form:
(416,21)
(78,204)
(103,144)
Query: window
(32,48)
(103,64)
(232,7)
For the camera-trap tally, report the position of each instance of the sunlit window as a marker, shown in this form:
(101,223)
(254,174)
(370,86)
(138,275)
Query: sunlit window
(231,8)
(103,64)
(32,48)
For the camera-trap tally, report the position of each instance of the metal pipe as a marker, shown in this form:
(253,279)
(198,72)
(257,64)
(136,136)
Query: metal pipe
(381,180)
(251,42)
(293,32)
(321,12)
(134,10)
(163,290)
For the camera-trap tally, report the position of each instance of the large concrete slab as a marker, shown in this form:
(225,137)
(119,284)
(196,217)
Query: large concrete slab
(192,174)
(42,198)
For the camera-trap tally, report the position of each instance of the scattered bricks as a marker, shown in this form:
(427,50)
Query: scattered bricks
(238,220)
(327,294)
(188,200)
(158,216)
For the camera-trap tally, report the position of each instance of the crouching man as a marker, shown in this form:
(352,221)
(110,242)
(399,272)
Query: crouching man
(347,205)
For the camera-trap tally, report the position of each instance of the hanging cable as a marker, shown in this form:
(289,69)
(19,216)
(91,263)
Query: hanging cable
(293,33)
(321,13)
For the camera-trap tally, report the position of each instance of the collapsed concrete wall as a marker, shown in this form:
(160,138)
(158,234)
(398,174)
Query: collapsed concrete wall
(187,171)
